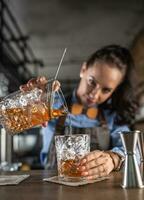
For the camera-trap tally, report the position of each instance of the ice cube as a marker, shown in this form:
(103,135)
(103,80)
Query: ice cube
(23,101)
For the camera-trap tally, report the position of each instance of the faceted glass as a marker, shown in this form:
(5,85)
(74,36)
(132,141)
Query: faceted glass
(70,149)
(20,110)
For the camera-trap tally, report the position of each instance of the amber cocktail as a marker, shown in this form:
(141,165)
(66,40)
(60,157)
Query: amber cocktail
(19,119)
(23,110)
(70,150)
(70,168)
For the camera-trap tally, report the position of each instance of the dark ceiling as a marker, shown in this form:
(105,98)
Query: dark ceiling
(81,26)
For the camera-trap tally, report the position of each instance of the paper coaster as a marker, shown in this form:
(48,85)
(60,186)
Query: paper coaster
(12,179)
(55,179)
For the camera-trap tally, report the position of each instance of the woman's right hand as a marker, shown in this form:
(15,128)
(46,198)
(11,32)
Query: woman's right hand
(39,82)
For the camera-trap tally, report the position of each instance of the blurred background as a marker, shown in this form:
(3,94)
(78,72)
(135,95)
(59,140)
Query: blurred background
(33,36)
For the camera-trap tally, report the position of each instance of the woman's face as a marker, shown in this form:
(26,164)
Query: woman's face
(97,83)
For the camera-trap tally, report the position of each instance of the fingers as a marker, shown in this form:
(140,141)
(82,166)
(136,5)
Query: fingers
(95,176)
(91,156)
(29,85)
(99,171)
(55,85)
(24,88)
(39,82)
(96,164)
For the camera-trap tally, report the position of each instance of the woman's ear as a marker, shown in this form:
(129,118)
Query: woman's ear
(83,69)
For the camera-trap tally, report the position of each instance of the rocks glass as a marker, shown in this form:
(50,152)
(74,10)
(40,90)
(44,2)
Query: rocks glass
(70,149)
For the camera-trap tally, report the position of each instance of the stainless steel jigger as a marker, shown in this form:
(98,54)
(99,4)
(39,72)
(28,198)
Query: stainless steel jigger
(141,150)
(132,176)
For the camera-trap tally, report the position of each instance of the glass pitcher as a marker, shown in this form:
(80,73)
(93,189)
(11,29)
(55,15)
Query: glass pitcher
(23,110)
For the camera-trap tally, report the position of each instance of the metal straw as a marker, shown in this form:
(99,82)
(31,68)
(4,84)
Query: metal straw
(64,103)
(57,71)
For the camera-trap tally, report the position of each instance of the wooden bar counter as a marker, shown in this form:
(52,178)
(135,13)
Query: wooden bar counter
(35,188)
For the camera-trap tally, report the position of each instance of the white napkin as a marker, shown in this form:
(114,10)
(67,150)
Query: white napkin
(12,179)
(55,179)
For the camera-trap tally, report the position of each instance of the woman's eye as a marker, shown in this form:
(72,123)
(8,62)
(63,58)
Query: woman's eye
(91,82)
(106,90)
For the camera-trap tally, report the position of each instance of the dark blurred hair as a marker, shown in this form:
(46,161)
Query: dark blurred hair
(123,99)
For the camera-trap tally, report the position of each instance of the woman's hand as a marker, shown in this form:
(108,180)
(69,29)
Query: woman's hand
(97,164)
(39,82)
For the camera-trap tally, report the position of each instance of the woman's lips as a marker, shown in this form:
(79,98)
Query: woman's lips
(90,101)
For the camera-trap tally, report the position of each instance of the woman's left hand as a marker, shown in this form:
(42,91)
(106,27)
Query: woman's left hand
(97,164)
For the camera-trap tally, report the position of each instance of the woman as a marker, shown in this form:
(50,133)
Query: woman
(102,104)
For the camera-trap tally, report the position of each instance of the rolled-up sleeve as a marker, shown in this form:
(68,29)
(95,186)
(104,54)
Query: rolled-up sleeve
(116,142)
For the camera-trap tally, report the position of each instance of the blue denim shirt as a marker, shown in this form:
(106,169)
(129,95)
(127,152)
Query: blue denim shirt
(82,121)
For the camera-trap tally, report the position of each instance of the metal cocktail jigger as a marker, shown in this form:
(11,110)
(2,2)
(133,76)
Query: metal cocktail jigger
(141,150)
(132,176)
